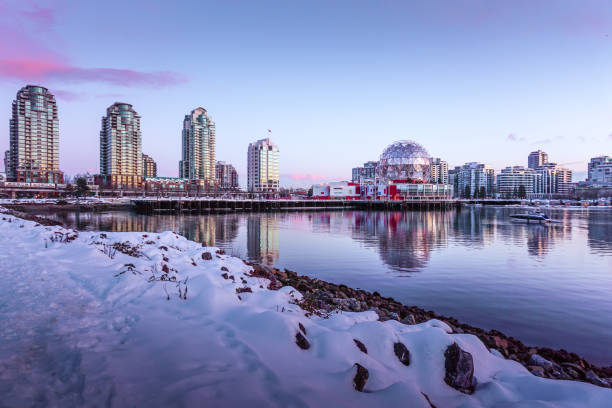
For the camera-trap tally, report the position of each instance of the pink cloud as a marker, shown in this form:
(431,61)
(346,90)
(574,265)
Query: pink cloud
(303,176)
(44,70)
(43,17)
(26,56)
(66,95)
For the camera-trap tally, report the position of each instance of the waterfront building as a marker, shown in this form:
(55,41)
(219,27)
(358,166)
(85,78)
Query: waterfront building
(149,166)
(474,178)
(555,179)
(537,159)
(198,150)
(121,148)
(600,170)
(364,174)
(262,167)
(33,155)
(344,190)
(513,181)
(226,176)
(439,171)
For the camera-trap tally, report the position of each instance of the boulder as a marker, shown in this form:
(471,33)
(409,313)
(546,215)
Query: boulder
(402,353)
(361,346)
(409,319)
(207,256)
(594,379)
(361,377)
(459,367)
(302,341)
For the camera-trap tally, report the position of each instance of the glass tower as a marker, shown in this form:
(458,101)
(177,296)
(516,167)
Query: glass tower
(198,151)
(33,156)
(121,146)
(262,167)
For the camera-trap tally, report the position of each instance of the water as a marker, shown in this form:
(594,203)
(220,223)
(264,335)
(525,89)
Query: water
(548,285)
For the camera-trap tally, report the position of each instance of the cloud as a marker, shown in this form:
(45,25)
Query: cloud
(66,95)
(303,176)
(514,138)
(548,140)
(41,70)
(26,57)
(43,18)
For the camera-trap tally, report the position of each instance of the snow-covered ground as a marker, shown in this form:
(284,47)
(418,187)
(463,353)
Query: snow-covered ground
(84,324)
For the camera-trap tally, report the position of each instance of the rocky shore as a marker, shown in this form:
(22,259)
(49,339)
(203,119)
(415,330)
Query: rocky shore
(323,298)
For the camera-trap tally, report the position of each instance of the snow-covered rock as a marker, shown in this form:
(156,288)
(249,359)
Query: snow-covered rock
(142,319)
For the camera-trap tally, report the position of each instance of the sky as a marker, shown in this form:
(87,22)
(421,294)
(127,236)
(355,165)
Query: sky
(334,81)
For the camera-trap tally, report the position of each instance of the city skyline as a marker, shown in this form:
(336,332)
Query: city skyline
(527,100)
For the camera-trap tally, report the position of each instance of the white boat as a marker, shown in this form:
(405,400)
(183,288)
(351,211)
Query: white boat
(532,216)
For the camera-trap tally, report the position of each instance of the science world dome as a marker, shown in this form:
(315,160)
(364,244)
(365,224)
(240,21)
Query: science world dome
(404,160)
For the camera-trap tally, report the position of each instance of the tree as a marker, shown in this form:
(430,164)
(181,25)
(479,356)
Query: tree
(483,192)
(514,192)
(522,193)
(82,189)
(467,193)
(310,192)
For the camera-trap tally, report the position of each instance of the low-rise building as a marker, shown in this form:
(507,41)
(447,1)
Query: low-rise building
(600,171)
(149,166)
(226,176)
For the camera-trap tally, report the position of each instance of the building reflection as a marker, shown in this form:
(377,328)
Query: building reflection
(262,238)
(599,232)
(404,240)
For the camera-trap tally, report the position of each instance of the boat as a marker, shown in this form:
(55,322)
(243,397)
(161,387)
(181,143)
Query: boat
(532,216)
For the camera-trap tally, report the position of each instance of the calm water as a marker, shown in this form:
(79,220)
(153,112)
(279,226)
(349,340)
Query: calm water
(544,284)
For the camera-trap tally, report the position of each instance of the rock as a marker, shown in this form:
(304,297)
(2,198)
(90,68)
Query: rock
(220,252)
(402,353)
(500,343)
(459,330)
(207,256)
(538,360)
(409,319)
(594,379)
(302,328)
(575,368)
(393,316)
(225,276)
(536,370)
(223,268)
(459,367)
(165,268)
(354,304)
(302,341)
(361,346)
(361,377)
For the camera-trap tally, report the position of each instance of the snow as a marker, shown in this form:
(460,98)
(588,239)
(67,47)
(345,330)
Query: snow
(83,324)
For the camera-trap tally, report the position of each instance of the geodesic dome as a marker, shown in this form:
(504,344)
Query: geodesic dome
(404,160)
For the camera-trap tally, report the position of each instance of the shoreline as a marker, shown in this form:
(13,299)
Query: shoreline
(323,298)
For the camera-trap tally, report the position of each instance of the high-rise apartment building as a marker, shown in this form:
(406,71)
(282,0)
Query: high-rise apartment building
(121,147)
(513,180)
(475,178)
(33,155)
(198,152)
(262,167)
(367,173)
(439,170)
(555,179)
(149,166)
(600,170)
(226,176)
(537,159)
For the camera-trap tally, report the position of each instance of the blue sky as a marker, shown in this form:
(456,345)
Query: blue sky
(335,81)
